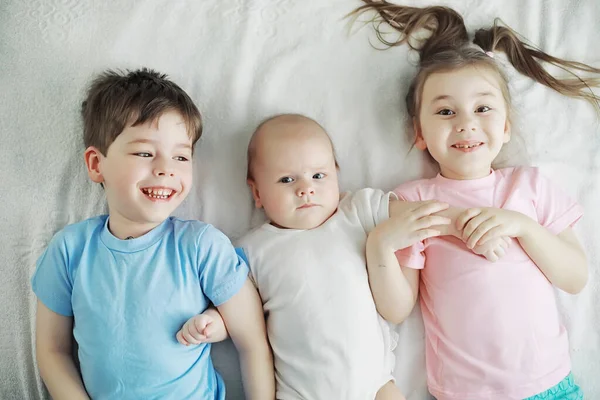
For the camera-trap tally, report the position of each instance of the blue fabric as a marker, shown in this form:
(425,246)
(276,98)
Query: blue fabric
(130,297)
(565,390)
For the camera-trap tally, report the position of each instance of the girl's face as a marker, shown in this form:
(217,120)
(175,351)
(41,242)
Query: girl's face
(462,121)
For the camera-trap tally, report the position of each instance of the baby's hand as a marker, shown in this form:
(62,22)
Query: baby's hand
(493,249)
(207,327)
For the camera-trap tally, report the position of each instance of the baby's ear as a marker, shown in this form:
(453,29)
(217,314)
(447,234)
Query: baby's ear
(255,193)
(93,157)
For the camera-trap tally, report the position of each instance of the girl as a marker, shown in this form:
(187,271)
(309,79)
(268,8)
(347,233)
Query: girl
(492,330)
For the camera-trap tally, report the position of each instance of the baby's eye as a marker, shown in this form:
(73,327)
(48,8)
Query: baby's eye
(483,109)
(445,111)
(319,175)
(142,154)
(181,158)
(286,179)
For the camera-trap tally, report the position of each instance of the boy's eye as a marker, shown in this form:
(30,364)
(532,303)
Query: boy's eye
(286,179)
(445,111)
(181,158)
(319,175)
(142,154)
(483,109)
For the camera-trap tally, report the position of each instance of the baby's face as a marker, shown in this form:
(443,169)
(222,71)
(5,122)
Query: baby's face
(295,177)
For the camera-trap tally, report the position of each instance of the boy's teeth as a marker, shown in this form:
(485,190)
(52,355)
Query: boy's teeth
(158,193)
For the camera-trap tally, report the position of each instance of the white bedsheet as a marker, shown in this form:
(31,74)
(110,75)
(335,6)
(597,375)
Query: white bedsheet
(243,60)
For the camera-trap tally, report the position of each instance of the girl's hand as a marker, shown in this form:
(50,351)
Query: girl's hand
(480,225)
(493,249)
(207,327)
(410,224)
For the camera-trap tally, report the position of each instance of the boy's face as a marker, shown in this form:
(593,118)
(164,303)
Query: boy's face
(146,173)
(463,121)
(295,176)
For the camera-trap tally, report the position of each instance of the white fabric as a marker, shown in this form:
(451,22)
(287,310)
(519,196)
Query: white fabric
(241,61)
(328,340)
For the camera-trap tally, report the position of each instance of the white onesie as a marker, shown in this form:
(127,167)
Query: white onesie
(328,340)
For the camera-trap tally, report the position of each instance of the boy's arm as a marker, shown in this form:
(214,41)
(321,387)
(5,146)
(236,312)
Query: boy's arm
(54,355)
(245,322)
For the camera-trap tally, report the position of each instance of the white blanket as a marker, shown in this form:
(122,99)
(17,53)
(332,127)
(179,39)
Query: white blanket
(241,61)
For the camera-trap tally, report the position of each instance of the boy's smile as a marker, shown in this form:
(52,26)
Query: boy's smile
(146,173)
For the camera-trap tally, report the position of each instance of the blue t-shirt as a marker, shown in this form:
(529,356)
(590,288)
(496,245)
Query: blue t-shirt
(129,298)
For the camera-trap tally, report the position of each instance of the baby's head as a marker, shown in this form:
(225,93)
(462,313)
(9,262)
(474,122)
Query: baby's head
(139,131)
(292,172)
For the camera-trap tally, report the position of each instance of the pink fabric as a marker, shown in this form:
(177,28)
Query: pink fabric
(493,330)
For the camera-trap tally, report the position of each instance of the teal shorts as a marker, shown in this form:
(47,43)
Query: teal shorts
(565,390)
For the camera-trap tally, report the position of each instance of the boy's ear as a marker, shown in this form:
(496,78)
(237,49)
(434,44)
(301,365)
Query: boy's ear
(419,141)
(255,193)
(92,157)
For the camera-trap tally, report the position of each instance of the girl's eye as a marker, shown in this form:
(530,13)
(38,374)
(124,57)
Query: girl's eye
(445,111)
(143,154)
(319,175)
(286,179)
(483,109)
(181,158)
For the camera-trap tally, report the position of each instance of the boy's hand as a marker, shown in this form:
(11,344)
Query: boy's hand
(493,249)
(207,327)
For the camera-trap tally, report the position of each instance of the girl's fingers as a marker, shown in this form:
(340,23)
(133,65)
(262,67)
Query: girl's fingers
(482,229)
(426,234)
(472,225)
(492,233)
(431,220)
(465,217)
(428,209)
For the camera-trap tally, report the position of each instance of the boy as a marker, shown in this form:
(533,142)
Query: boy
(124,283)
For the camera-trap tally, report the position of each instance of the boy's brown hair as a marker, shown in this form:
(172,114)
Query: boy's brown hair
(116,100)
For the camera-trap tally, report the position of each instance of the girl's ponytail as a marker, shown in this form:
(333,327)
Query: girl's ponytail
(526,59)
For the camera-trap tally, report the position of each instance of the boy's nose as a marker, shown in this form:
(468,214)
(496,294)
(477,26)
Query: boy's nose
(163,169)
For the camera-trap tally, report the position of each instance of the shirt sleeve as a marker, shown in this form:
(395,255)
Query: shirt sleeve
(555,210)
(51,281)
(373,206)
(222,270)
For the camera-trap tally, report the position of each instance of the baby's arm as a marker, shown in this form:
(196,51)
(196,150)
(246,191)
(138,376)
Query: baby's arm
(244,318)
(207,327)
(560,257)
(395,289)
(54,355)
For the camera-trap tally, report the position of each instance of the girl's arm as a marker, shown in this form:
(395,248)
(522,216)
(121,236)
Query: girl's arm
(54,355)
(395,289)
(245,322)
(560,257)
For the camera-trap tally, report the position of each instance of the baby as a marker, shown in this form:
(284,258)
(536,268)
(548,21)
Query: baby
(308,263)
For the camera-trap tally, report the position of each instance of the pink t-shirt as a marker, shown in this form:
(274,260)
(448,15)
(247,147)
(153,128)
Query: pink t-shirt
(493,329)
